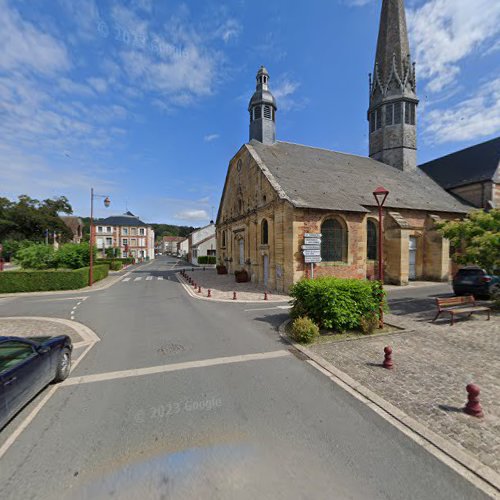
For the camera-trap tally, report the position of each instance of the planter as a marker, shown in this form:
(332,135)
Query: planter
(241,276)
(221,269)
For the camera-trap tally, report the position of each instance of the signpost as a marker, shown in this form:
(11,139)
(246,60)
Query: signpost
(311,250)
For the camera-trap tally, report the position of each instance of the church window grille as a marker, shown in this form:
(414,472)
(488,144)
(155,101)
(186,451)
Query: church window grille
(412,113)
(265,232)
(388,114)
(258,112)
(378,118)
(371,240)
(397,113)
(267,111)
(333,241)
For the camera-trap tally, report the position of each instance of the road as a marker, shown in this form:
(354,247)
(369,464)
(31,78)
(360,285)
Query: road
(184,398)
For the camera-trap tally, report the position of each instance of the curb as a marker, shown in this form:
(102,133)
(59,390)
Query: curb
(479,474)
(193,294)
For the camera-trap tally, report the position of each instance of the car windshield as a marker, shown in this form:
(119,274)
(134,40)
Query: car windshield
(12,352)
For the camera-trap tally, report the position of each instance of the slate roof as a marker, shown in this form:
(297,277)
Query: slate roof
(319,178)
(478,163)
(127,219)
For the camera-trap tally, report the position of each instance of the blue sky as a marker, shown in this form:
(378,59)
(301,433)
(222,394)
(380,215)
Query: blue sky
(146,100)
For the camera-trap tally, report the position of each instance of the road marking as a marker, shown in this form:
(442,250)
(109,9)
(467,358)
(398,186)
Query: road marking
(126,279)
(152,370)
(149,278)
(160,277)
(64,298)
(268,308)
(139,278)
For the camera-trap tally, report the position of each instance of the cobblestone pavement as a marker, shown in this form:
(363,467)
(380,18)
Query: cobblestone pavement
(36,328)
(433,364)
(222,286)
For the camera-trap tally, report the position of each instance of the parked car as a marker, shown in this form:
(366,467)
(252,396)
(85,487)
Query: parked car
(475,281)
(27,365)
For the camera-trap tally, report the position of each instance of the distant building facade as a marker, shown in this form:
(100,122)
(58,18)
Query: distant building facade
(473,174)
(202,243)
(170,244)
(126,233)
(75,224)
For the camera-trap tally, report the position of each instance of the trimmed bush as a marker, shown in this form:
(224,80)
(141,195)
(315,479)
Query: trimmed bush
(335,303)
(37,256)
(207,259)
(73,256)
(52,279)
(123,260)
(304,330)
(116,265)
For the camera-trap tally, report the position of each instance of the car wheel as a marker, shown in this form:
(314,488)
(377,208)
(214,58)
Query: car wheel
(63,365)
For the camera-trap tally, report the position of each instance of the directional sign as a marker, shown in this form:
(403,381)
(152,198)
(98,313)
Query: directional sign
(312,235)
(311,260)
(311,253)
(312,241)
(311,247)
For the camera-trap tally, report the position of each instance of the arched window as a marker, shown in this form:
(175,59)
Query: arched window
(333,241)
(265,232)
(371,240)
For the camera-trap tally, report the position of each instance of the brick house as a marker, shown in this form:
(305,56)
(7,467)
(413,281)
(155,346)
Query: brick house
(473,174)
(127,233)
(276,191)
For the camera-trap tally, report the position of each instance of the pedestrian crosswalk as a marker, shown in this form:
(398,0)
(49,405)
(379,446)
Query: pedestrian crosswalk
(139,278)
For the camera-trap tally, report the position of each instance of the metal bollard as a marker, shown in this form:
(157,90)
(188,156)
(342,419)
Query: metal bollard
(388,358)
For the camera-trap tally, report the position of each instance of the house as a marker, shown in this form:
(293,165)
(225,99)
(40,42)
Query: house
(201,243)
(75,224)
(126,233)
(170,244)
(183,248)
(473,174)
(276,192)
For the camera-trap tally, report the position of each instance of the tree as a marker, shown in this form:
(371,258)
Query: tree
(37,256)
(475,239)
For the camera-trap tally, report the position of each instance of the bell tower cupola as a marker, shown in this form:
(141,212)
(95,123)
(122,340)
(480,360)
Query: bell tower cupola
(262,108)
(392,114)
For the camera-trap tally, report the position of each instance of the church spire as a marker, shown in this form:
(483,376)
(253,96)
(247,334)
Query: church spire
(262,108)
(393,99)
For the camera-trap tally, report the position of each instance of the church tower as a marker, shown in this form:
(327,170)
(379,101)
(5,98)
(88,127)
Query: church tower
(262,109)
(392,114)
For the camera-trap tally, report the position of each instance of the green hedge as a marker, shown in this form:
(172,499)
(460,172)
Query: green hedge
(335,303)
(123,260)
(207,259)
(53,279)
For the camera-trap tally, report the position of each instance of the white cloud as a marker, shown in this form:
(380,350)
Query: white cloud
(25,48)
(211,137)
(284,92)
(192,215)
(229,30)
(444,32)
(357,3)
(475,117)
(99,84)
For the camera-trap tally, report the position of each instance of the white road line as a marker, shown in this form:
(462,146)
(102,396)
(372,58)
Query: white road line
(160,277)
(268,308)
(152,370)
(139,278)
(126,279)
(65,298)
(149,278)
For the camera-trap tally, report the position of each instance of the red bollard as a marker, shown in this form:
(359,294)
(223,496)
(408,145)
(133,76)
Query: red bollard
(194,285)
(388,358)
(265,295)
(234,295)
(199,289)
(473,406)
(209,293)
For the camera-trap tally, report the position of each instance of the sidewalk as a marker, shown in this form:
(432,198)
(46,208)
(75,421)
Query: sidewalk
(433,362)
(222,287)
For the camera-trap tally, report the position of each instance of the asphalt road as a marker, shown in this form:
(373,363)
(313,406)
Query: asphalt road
(172,404)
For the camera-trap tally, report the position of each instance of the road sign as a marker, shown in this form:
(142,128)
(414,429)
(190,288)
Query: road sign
(311,247)
(312,235)
(312,241)
(310,260)
(311,253)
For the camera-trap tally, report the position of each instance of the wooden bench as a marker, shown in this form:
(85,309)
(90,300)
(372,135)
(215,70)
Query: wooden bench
(459,305)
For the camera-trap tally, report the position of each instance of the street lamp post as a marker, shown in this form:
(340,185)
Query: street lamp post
(107,202)
(380,195)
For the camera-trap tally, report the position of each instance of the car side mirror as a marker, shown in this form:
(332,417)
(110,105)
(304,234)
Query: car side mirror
(43,349)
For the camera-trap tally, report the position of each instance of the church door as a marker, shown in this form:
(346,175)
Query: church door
(413,258)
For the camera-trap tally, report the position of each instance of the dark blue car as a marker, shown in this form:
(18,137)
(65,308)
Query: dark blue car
(27,365)
(472,280)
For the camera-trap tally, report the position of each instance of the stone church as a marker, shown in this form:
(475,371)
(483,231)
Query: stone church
(275,192)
